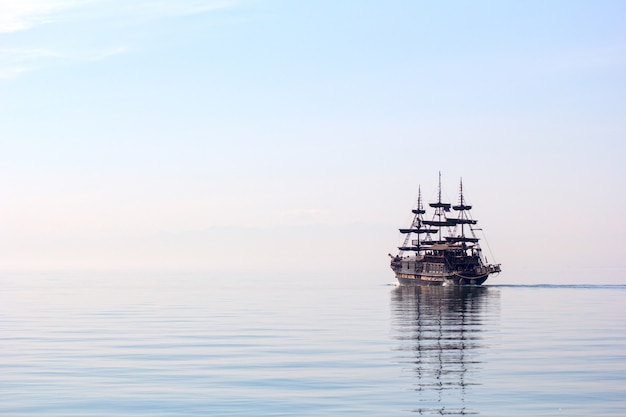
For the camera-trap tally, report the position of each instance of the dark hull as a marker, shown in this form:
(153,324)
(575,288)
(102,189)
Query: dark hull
(412,279)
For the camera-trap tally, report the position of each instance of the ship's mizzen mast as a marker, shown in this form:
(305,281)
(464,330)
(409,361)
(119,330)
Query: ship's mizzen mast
(463,217)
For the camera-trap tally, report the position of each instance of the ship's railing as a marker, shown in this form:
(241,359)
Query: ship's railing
(487,269)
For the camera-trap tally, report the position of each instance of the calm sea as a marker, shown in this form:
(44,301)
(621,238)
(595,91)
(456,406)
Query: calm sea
(140,344)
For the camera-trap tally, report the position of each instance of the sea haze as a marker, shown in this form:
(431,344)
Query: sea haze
(224,344)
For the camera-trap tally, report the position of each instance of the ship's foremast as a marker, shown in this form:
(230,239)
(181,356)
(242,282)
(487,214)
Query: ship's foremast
(440,219)
(416,228)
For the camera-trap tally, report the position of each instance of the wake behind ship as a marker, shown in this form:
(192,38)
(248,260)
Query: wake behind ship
(444,250)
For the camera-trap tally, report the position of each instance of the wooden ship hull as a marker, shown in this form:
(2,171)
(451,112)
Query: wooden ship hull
(413,271)
(412,280)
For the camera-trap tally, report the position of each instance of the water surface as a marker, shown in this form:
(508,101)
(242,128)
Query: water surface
(139,344)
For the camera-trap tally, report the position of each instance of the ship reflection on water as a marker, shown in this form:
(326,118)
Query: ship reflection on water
(441,333)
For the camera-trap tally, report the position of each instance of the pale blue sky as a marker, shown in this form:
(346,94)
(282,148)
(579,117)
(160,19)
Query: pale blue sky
(192,134)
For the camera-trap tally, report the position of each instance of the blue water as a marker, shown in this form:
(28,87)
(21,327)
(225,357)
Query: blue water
(219,344)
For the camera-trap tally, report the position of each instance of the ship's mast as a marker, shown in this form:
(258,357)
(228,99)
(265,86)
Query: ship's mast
(440,215)
(417,228)
(461,203)
(438,210)
(417,219)
(464,218)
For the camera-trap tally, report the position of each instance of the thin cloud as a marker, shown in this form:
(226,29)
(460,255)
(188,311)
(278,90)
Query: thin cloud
(106,53)
(161,9)
(18,15)
(14,62)
(26,15)
(7,73)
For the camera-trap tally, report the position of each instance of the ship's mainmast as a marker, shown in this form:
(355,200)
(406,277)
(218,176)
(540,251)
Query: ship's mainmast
(440,214)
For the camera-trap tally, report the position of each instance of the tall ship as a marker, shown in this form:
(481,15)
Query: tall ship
(444,250)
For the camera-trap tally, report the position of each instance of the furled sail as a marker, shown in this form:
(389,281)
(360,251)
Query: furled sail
(419,231)
(446,222)
(414,248)
(439,204)
(462,221)
(461,207)
(434,242)
(455,239)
